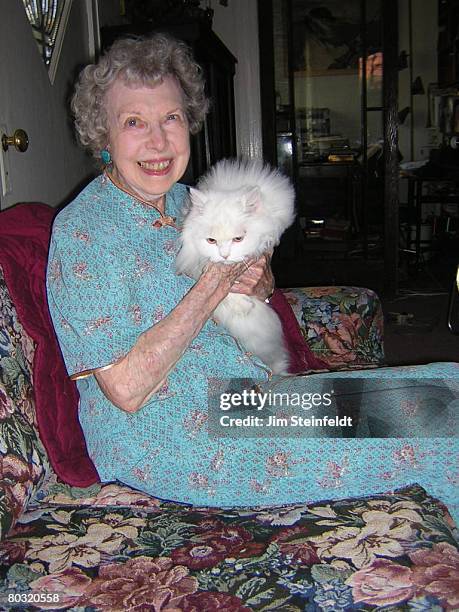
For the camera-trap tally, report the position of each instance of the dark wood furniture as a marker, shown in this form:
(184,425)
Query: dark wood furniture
(328,188)
(417,197)
(448,43)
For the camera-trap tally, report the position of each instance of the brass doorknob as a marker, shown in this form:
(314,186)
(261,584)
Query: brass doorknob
(19,140)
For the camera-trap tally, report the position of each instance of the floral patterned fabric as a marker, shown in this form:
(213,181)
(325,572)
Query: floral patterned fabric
(342,325)
(23,460)
(126,551)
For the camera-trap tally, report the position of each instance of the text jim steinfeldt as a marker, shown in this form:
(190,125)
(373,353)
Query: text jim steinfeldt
(291,421)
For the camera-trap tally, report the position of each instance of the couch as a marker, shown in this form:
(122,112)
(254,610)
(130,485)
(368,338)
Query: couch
(109,547)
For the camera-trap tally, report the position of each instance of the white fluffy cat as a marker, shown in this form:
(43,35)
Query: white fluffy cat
(239,210)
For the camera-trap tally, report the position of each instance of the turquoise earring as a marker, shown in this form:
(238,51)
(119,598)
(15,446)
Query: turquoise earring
(105,156)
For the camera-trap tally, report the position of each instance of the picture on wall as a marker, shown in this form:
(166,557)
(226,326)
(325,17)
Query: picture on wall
(327,36)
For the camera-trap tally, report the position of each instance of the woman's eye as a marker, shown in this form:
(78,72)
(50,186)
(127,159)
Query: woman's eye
(134,122)
(211,240)
(175,118)
(238,238)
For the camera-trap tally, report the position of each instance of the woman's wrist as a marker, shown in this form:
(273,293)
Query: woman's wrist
(213,286)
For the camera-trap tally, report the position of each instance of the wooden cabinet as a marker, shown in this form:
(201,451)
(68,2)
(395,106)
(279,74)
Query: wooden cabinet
(448,43)
(217,139)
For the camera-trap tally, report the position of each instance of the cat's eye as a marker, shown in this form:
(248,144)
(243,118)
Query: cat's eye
(211,240)
(238,238)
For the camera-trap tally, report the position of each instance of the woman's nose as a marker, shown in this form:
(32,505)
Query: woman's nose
(156,137)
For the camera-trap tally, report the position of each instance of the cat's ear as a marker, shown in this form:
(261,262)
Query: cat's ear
(253,200)
(198,198)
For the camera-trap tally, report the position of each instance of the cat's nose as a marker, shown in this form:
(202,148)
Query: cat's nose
(225,256)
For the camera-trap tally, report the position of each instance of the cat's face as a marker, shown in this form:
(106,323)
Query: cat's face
(226,227)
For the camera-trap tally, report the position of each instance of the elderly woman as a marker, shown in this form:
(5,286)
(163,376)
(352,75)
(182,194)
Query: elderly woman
(139,339)
(136,337)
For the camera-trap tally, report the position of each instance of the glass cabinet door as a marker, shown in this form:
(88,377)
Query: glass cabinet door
(328,93)
(285,109)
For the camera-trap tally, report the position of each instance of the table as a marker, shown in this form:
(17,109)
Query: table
(416,198)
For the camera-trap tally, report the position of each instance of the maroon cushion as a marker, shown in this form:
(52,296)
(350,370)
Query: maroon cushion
(25,232)
(301,356)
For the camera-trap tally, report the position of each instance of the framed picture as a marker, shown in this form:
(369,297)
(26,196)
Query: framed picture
(327,36)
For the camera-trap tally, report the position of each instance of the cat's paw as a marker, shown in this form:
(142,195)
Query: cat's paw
(240,305)
(280,368)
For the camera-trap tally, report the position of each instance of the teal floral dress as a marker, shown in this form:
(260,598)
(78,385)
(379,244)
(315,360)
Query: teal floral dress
(111,277)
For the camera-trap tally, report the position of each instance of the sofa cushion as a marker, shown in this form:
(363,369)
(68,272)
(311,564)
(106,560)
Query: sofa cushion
(25,231)
(393,551)
(342,325)
(23,460)
(301,356)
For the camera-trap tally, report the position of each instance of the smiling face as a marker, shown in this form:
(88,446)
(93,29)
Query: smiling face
(148,137)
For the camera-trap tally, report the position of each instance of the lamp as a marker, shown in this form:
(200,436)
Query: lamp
(417,87)
(403,60)
(403,114)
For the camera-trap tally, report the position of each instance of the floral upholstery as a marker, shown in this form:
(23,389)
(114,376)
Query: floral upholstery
(111,548)
(343,325)
(24,462)
(137,553)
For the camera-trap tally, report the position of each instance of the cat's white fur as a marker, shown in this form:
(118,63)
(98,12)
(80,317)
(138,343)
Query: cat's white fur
(252,203)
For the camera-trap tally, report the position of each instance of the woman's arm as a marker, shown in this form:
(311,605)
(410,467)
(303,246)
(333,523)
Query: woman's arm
(131,382)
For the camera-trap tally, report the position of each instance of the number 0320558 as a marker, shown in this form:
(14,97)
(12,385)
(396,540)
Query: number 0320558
(33,598)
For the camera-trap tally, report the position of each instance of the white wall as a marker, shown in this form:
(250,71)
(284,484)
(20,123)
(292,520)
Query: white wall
(54,166)
(237,26)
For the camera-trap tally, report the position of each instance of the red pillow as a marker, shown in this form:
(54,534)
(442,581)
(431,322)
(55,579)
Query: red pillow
(25,232)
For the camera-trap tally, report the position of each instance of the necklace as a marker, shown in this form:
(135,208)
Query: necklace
(164,220)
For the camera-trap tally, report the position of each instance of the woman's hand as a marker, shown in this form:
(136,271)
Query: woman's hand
(257,279)
(231,274)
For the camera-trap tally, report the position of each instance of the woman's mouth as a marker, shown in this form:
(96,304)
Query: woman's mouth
(155,167)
